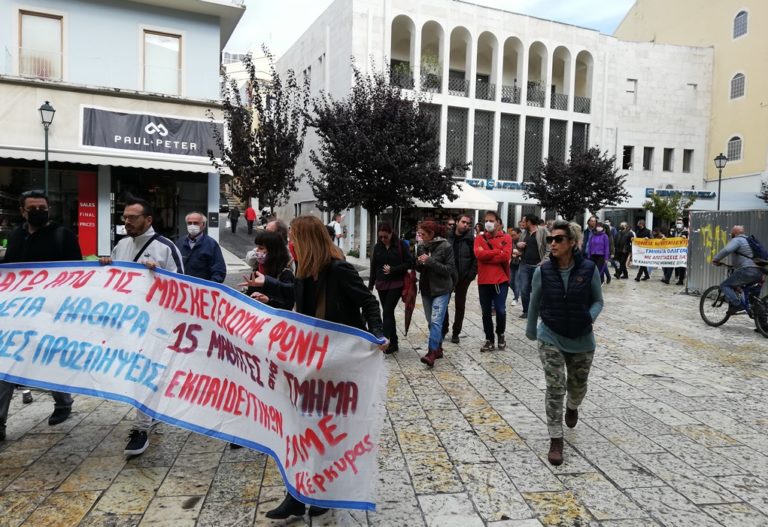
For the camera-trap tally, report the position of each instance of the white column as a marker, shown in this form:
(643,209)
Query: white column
(363,233)
(471,62)
(548,81)
(443,133)
(445,59)
(416,57)
(496,142)
(649,220)
(103,211)
(505,214)
(568,136)
(352,235)
(213,202)
(545,139)
(471,138)
(521,145)
(571,83)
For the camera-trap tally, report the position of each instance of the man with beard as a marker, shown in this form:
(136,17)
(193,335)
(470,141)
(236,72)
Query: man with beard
(462,239)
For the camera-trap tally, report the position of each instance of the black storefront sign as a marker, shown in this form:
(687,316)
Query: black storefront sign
(148,133)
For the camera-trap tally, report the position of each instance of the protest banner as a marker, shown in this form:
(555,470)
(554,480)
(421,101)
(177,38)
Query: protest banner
(204,357)
(660,252)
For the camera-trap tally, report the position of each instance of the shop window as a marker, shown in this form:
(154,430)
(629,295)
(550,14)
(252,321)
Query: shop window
(734,148)
(687,160)
(737,86)
(740,24)
(40,45)
(626,160)
(162,63)
(648,158)
(669,160)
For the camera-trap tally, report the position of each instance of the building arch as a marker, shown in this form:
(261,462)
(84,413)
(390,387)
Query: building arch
(738,85)
(560,84)
(460,61)
(512,70)
(537,74)
(486,70)
(740,24)
(734,149)
(432,55)
(582,96)
(401,51)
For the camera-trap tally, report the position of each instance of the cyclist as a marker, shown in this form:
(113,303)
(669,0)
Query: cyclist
(745,271)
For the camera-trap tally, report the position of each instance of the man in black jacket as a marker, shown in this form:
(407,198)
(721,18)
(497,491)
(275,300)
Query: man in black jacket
(462,239)
(38,240)
(642,232)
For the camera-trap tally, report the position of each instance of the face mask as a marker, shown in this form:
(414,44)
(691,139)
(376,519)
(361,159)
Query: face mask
(261,257)
(193,230)
(490,226)
(679,225)
(37,218)
(599,229)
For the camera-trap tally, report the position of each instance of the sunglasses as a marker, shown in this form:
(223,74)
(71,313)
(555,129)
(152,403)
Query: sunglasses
(560,238)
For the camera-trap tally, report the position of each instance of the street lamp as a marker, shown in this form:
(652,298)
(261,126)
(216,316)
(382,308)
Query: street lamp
(46,117)
(720,162)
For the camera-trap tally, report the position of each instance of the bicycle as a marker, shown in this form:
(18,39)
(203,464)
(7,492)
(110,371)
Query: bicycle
(713,307)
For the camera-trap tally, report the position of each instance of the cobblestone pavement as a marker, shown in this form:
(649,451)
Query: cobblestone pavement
(672,432)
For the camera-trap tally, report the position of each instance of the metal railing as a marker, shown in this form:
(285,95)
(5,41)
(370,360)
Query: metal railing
(458,87)
(582,104)
(510,94)
(536,94)
(559,101)
(404,79)
(40,64)
(431,82)
(485,90)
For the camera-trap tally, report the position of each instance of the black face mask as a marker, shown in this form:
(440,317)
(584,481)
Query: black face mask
(37,218)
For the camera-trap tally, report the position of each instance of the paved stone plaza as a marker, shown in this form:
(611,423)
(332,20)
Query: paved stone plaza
(672,432)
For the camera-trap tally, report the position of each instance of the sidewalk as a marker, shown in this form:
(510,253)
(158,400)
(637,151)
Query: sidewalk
(672,432)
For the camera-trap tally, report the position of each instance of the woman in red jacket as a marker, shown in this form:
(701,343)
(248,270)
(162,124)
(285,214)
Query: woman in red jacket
(493,249)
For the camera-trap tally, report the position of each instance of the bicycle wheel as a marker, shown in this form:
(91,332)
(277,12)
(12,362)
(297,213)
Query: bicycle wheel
(713,307)
(760,312)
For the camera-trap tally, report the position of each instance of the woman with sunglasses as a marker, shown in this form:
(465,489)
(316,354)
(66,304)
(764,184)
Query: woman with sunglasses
(566,293)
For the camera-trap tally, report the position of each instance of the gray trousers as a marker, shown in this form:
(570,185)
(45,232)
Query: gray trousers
(556,365)
(60,399)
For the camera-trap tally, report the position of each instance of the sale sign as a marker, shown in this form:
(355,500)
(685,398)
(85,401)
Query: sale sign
(204,357)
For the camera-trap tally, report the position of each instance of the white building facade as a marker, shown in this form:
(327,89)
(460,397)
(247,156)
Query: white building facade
(512,90)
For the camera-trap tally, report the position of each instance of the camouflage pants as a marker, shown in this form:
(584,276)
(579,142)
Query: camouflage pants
(556,364)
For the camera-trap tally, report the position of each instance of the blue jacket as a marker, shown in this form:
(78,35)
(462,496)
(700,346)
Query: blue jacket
(204,260)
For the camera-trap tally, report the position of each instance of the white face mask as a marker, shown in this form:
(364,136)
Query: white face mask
(261,257)
(599,229)
(679,225)
(490,226)
(193,230)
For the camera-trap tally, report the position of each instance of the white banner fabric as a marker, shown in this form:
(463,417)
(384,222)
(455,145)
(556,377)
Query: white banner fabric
(204,357)
(660,252)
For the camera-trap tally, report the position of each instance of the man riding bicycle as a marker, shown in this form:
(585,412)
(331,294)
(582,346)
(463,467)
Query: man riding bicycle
(745,270)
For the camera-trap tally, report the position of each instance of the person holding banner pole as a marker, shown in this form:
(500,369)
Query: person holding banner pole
(201,254)
(38,240)
(145,246)
(329,288)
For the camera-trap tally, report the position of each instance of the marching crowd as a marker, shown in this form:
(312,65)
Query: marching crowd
(555,271)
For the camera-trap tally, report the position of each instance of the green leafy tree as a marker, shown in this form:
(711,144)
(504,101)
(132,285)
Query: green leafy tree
(377,149)
(668,208)
(266,124)
(587,181)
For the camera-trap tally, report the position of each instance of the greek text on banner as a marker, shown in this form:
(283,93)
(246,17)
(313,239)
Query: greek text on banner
(203,357)
(660,252)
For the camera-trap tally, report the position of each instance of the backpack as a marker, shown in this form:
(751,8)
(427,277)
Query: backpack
(759,253)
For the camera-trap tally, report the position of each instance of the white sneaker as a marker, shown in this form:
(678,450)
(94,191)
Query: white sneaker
(514,302)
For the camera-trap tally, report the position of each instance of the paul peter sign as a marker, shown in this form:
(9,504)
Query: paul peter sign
(148,133)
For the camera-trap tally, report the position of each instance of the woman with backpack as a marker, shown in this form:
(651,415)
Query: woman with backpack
(389,262)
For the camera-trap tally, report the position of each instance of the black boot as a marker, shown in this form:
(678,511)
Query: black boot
(289,507)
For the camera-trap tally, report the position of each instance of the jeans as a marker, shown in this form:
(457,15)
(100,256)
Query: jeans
(622,258)
(514,281)
(250,226)
(739,278)
(435,308)
(599,260)
(493,295)
(60,400)
(460,302)
(525,276)
(389,299)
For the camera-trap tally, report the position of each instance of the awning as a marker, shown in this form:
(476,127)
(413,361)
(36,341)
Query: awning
(468,198)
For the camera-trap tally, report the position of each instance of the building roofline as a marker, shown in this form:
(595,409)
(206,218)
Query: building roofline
(527,16)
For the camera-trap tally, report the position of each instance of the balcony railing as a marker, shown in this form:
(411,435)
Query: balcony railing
(40,64)
(510,94)
(458,87)
(582,104)
(536,94)
(431,82)
(485,90)
(559,101)
(403,78)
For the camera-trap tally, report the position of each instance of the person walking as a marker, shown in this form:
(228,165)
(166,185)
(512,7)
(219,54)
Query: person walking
(462,240)
(623,248)
(437,265)
(145,246)
(234,216)
(568,297)
(200,253)
(493,250)
(642,232)
(678,231)
(514,264)
(389,262)
(534,250)
(600,250)
(745,270)
(338,229)
(38,239)
(329,288)
(250,217)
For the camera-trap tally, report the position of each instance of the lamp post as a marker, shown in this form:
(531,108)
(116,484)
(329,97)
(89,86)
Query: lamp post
(720,162)
(46,117)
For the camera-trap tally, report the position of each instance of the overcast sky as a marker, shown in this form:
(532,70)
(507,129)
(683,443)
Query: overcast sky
(279,23)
